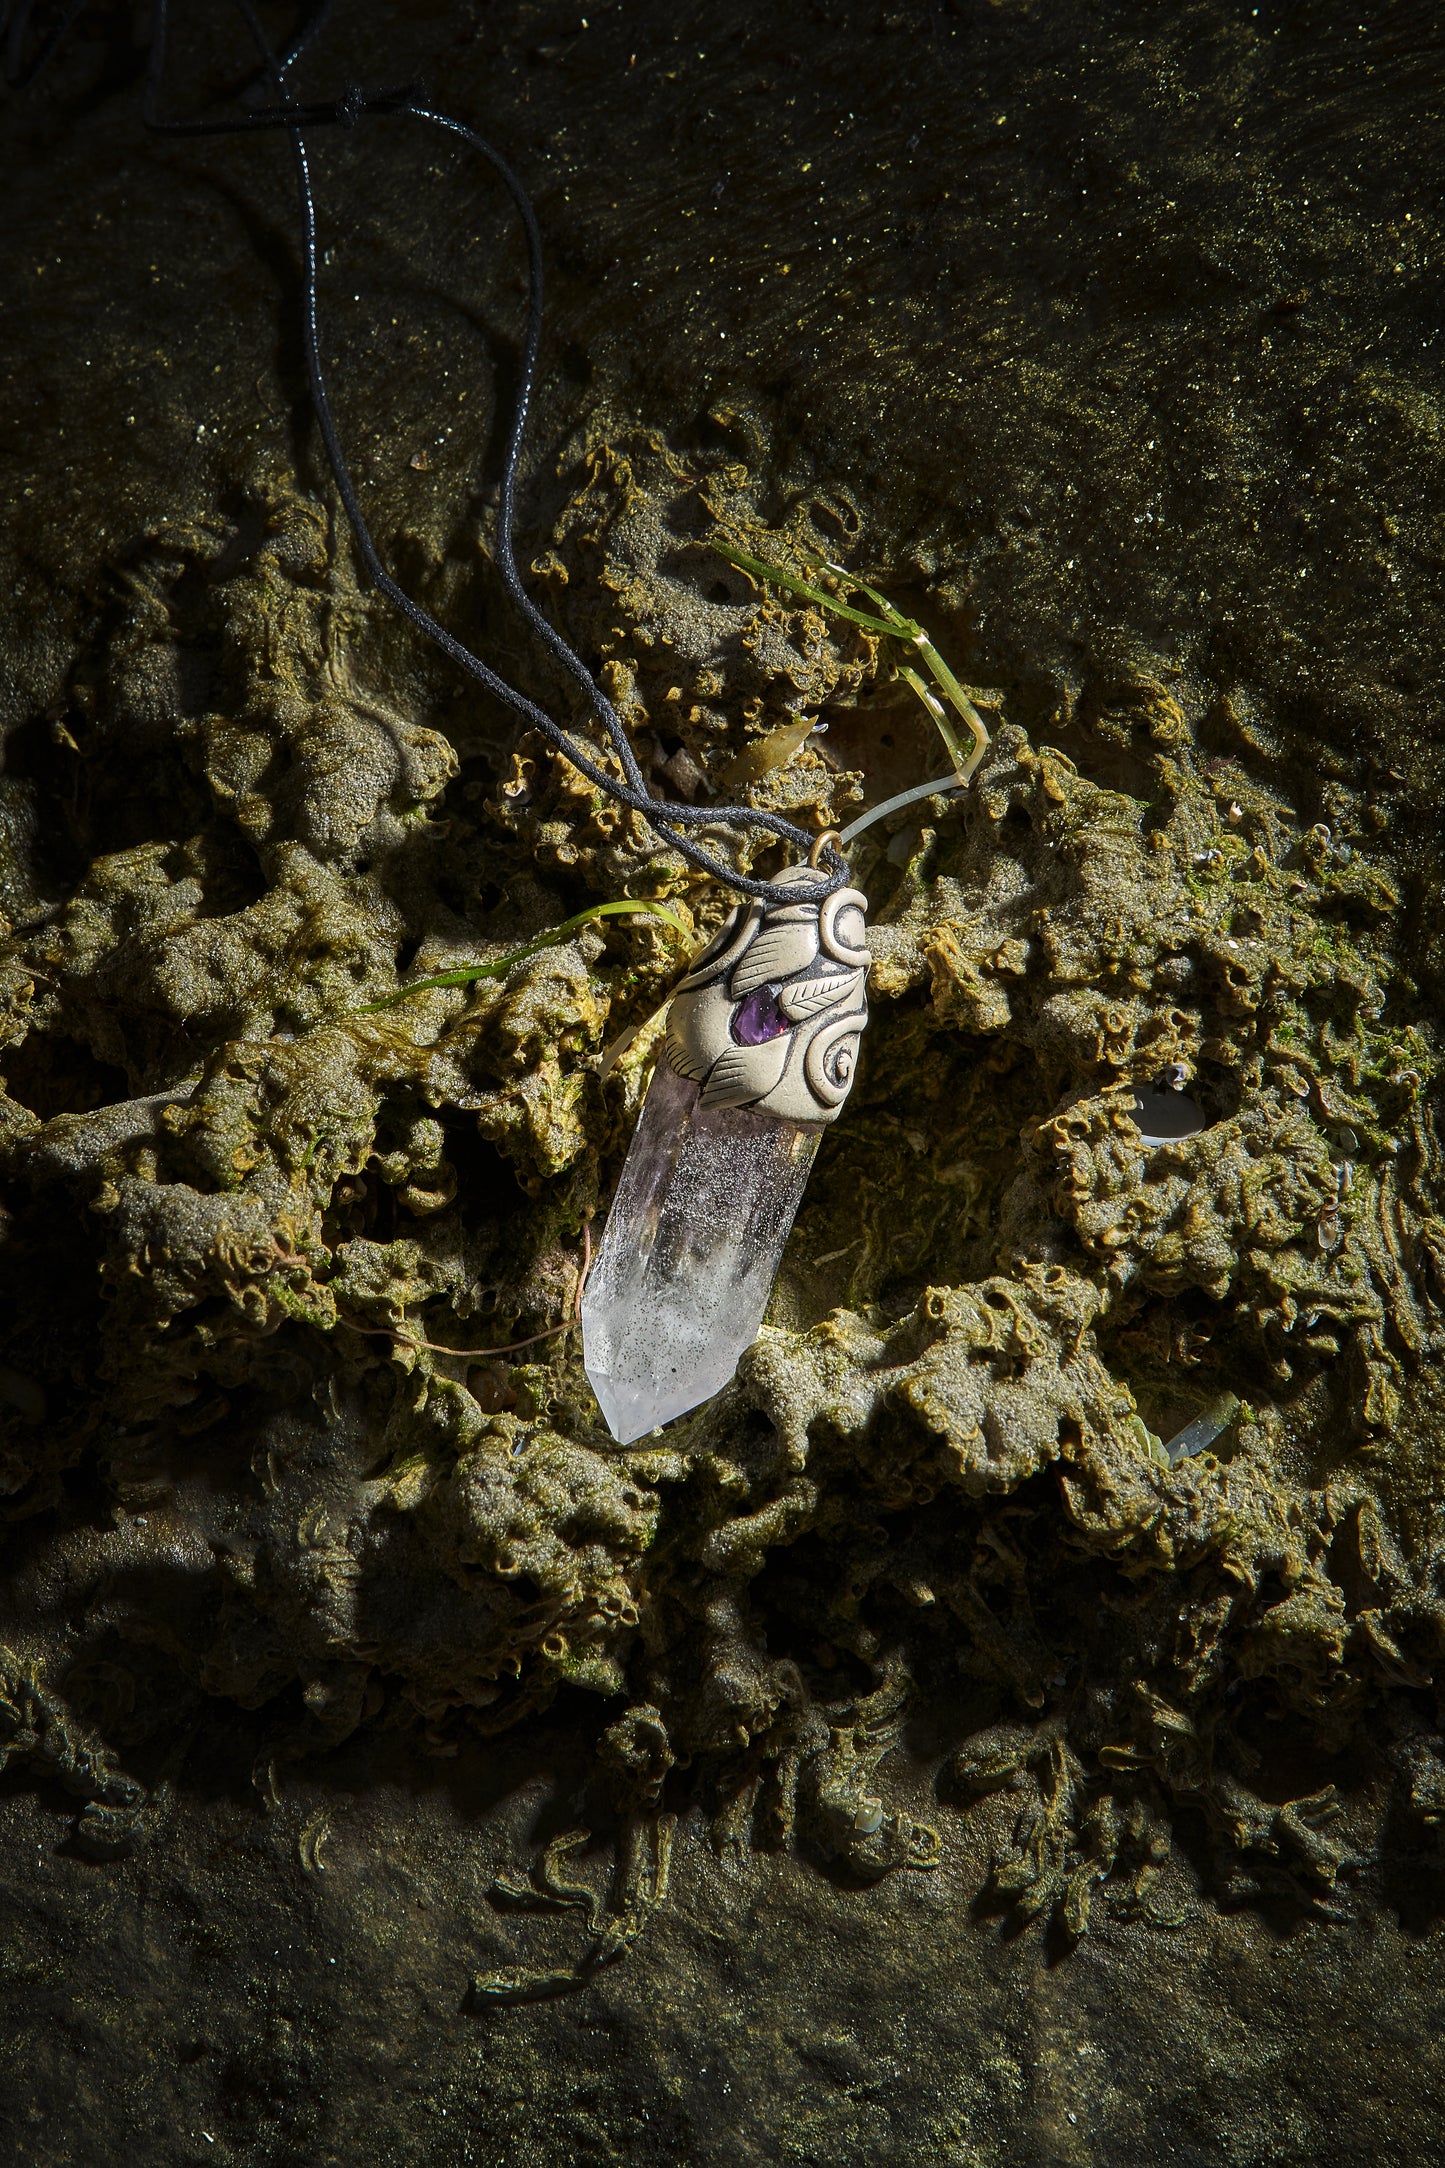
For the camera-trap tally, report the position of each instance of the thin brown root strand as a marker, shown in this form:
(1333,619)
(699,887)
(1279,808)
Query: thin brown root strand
(467,1354)
(586,1268)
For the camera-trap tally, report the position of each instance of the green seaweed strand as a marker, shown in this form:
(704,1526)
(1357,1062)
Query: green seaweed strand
(889,624)
(466,974)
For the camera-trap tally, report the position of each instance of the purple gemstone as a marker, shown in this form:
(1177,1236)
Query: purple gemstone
(758,1018)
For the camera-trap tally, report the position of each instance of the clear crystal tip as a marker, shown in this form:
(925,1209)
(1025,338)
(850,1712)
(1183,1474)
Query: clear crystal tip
(690,1252)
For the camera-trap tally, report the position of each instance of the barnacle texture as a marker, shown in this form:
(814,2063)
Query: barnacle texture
(721,687)
(268,1244)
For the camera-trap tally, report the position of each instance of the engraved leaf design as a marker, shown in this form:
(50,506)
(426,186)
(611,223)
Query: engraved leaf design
(807,997)
(745,1073)
(680,1061)
(724,949)
(779,952)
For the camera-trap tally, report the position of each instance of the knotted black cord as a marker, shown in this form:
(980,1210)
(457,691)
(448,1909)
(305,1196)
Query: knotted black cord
(665,817)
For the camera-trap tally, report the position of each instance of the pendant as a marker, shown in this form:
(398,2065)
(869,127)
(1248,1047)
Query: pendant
(759,1053)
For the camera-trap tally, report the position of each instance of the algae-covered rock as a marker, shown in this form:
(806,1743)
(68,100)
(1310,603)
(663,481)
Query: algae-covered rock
(307,1203)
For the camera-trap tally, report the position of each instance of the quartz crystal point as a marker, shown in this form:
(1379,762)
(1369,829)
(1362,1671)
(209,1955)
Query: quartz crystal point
(690,1252)
(761,1042)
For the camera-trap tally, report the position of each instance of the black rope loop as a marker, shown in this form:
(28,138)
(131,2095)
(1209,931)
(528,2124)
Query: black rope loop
(674,822)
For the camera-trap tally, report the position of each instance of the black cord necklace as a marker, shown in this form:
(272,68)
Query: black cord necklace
(671,820)
(762,1037)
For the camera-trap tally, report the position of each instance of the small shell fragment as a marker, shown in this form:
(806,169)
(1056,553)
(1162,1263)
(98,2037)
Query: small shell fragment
(1204,1429)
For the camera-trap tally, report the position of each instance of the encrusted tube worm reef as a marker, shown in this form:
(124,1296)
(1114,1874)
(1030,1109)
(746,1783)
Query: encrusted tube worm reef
(251,1214)
(312,1106)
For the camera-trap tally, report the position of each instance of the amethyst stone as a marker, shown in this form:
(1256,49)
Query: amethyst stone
(759,1018)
